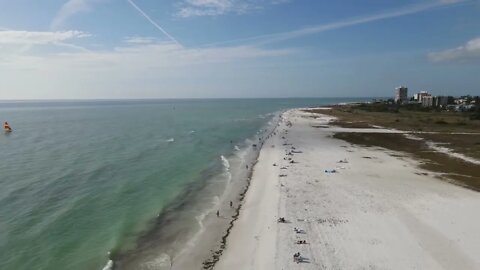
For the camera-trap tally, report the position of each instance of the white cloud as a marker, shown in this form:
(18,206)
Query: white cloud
(413,9)
(38,38)
(465,53)
(154,55)
(194,8)
(140,40)
(69,9)
(142,67)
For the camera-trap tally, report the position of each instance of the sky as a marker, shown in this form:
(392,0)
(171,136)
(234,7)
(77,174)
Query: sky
(115,49)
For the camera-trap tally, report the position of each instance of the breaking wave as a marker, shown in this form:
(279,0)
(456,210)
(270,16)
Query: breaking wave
(225,163)
(108,266)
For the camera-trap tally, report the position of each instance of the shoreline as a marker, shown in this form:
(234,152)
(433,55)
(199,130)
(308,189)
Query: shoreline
(206,240)
(334,192)
(211,263)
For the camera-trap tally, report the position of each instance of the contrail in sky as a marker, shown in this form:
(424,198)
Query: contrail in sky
(272,38)
(153,22)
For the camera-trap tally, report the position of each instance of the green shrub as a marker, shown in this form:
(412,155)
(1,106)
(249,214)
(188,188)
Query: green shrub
(441,122)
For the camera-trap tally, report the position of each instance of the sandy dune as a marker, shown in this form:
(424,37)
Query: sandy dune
(377,211)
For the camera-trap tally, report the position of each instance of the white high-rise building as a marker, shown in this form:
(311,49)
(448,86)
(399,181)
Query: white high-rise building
(401,94)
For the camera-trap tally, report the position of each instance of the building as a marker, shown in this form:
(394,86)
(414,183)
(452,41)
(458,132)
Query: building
(401,94)
(424,95)
(427,101)
(418,96)
(441,101)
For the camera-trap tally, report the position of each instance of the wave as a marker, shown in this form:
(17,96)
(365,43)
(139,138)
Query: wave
(163,261)
(226,167)
(108,266)
(200,219)
(236,148)
(216,200)
(225,163)
(170,140)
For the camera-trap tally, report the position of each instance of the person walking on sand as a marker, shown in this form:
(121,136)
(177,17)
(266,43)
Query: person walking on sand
(218,213)
(231,204)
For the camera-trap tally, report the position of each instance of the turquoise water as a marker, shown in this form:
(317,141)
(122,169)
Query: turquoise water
(82,178)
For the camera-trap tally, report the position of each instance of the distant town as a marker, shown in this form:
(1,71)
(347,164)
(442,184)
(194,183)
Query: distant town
(427,101)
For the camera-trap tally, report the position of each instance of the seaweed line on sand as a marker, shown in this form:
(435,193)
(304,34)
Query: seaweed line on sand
(210,263)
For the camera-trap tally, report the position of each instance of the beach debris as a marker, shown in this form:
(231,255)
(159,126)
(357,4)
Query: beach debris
(302,219)
(332,221)
(282,175)
(282,220)
(343,161)
(300,242)
(331,171)
(299,231)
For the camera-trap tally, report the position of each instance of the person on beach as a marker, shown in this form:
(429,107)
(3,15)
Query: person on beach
(296,257)
(231,204)
(218,213)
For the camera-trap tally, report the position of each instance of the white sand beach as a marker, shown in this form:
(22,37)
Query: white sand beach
(376,211)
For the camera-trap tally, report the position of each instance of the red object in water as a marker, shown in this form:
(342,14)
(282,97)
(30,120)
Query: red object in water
(7,127)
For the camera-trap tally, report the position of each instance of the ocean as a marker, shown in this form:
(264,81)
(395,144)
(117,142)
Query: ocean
(123,183)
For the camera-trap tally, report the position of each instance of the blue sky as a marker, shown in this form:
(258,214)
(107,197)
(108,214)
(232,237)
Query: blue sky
(237,48)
